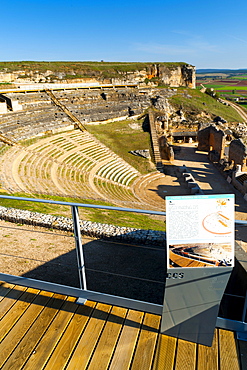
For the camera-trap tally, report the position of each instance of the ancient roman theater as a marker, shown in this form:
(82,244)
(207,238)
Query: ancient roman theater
(61,157)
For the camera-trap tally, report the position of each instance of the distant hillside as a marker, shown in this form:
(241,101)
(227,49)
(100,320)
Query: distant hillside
(227,71)
(171,74)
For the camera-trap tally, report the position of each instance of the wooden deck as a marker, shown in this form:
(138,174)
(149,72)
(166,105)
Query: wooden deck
(45,330)
(186,262)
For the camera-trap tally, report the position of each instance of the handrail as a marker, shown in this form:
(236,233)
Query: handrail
(82,293)
(121,209)
(84,205)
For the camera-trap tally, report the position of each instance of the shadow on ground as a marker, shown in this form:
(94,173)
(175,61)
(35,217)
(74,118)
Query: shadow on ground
(131,271)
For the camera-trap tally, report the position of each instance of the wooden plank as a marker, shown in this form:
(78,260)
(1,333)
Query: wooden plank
(208,356)
(89,338)
(126,345)
(186,355)
(45,347)
(108,339)
(26,346)
(9,320)
(146,343)
(228,350)
(4,289)
(10,299)
(187,262)
(66,345)
(165,353)
(21,327)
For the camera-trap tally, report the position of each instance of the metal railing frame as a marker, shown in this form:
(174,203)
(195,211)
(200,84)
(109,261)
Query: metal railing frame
(83,294)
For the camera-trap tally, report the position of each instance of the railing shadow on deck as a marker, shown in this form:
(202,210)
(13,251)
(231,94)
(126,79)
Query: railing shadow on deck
(134,278)
(12,293)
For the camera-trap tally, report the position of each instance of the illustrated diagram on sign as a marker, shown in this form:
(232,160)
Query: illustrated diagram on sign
(217,223)
(200,255)
(200,230)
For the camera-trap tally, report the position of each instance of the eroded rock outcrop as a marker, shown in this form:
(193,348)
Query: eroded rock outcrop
(180,76)
(171,74)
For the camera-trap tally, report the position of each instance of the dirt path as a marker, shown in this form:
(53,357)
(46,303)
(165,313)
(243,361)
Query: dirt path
(240,111)
(25,249)
(46,255)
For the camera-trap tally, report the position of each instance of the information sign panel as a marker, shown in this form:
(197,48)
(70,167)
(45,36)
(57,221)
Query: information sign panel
(200,230)
(200,254)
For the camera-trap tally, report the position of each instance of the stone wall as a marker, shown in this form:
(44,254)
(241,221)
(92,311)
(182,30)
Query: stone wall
(101,105)
(217,141)
(212,139)
(237,182)
(233,165)
(166,150)
(91,229)
(238,153)
(12,104)
(3,107)
(6,99)
(40,115)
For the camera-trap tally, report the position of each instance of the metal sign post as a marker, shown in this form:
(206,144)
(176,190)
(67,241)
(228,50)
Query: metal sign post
(79,249)
(200,247)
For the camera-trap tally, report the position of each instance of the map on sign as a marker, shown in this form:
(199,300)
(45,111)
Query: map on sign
(200,230)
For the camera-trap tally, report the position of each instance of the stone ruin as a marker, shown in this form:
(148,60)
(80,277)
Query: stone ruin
(229,157)
(228,153)
(211,139)
(9,104)
(224,143)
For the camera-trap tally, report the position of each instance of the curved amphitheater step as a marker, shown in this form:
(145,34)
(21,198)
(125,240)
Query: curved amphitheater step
(150,189)
(70,164)
(6,174)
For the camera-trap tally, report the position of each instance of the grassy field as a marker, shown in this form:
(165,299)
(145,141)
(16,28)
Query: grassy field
(200,102)
(226,87)
(242,77)
(232,85)
(124,136)
(214,86)
(117,218)
(121,138)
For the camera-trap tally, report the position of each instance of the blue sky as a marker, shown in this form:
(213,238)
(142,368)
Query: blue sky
(207,34)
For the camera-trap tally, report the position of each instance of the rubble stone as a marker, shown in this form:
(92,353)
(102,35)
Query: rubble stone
(88,228)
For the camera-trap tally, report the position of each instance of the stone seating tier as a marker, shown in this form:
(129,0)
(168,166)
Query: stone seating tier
(64,165)
(74,163)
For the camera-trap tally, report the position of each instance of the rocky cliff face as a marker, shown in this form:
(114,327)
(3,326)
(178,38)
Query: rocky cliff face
(176,76)
(173,75)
